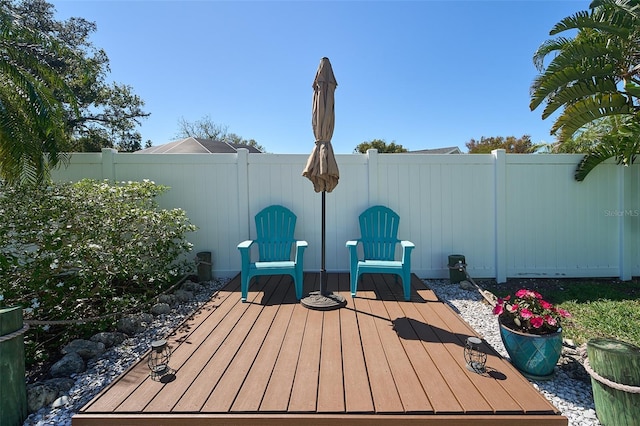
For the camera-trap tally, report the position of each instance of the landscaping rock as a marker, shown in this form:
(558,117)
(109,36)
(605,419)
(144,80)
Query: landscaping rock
(60,402)
(87,349)
(109,338)
(183,295)
(169,299)
(40,395)
(62,384)
(192,287)
(160,309)
(129,325)
(71,363)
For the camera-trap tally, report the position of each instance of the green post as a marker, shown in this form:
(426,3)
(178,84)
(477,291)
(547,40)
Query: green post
(619,363)
(457,274)
(13,390)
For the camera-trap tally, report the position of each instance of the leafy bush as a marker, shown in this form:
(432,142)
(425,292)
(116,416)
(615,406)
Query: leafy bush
(86,250)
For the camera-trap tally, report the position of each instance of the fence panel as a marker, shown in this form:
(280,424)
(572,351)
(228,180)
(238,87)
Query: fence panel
(510,215)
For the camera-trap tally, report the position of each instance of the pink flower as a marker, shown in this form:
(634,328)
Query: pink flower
(529,312)
(537,322)
(545,304)
(526,314)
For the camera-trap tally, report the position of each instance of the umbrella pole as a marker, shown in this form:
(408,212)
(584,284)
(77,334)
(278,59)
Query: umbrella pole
(323,270)
(323,300)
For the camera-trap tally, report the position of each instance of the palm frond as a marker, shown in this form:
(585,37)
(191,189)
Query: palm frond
(579,90)
(587,110)
(548,47)
(606,18)
(32,114)
(600,154)
(623,145)
(546,85)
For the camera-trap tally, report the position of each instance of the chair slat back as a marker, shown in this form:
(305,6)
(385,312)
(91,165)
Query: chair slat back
(275,227)
(379,233)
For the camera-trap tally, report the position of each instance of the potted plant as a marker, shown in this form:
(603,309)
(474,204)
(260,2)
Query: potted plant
(531,332)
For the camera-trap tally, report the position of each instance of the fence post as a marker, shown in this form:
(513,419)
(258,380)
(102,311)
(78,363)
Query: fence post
(372,179)
(244,218)
(108,164)
(500,176)
(13,389)
(626,227)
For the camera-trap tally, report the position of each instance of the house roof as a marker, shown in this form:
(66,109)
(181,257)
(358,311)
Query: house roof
(447,150)
(197,146)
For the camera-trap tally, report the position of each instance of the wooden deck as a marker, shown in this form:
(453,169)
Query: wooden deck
(380,360)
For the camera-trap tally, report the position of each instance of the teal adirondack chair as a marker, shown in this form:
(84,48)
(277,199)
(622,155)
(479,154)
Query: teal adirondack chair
(275,226)
(379,237)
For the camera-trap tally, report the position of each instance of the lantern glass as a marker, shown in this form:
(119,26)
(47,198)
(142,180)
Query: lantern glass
(158,360)
(475,358)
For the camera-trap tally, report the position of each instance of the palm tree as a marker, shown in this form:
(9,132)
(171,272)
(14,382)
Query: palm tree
(592,76)
(32,117)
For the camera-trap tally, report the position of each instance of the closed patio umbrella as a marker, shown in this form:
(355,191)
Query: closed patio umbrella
(322,170)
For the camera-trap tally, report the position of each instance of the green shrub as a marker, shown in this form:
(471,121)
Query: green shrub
(85,250)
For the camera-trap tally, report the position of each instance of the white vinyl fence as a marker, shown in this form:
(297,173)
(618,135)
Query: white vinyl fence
(510,215)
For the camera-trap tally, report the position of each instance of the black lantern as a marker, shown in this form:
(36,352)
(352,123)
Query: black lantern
(158,361)
(476,359)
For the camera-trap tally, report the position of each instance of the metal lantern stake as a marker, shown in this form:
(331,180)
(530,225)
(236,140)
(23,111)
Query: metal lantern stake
(476,359)
(158,361)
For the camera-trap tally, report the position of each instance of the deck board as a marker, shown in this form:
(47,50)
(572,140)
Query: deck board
(380,360)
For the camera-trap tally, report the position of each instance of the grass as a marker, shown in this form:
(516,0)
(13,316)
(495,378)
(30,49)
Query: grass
(599,308)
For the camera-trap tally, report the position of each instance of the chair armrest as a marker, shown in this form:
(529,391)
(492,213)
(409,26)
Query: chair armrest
(300,246)
(245,245)
(352,245)
(407,246)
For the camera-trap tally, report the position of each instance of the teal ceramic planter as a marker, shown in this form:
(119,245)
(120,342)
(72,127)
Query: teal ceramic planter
(533,355)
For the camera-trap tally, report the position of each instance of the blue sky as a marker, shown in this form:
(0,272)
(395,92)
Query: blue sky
(425,74)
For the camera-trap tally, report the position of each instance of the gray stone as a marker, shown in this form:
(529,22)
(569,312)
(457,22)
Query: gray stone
(134,324)
(129,325)
(40,395)
(183,295)
(192,287)
(70,364)
(145,319)
(62,384)
(109,338)
(60,402)
(169,299)
(87,349)
(160,309)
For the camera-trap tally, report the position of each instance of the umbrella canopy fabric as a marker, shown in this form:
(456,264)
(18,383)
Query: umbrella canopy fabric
(321,168)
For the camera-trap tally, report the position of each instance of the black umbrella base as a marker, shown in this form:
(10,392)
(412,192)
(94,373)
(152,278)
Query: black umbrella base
(323,302)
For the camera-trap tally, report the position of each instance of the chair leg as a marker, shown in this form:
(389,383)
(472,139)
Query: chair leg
(298,281)
(244,288)
(406,284)
(354,283)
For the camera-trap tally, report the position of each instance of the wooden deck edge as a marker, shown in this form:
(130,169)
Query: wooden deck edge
(317,419)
